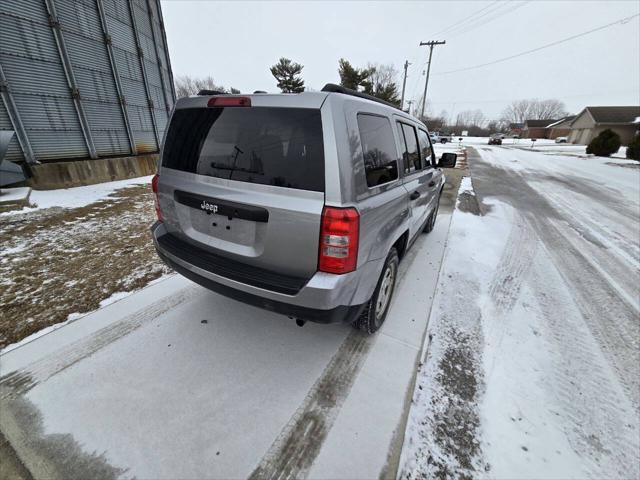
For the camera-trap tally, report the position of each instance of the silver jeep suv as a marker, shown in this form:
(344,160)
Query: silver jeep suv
(302,204)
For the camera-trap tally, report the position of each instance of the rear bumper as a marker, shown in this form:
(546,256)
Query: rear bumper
(326,298)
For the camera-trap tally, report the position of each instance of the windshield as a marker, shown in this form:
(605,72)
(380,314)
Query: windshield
(270,146)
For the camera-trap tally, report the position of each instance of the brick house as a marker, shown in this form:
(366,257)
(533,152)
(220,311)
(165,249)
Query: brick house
(536,128)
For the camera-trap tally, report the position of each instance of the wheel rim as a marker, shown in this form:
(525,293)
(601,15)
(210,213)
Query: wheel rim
(384,294)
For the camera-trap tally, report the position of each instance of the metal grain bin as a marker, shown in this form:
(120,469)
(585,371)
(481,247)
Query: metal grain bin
(83,79)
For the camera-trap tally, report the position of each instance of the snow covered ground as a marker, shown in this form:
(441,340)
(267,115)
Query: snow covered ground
(544,145)
(174,381)
(78,196)
(532,359)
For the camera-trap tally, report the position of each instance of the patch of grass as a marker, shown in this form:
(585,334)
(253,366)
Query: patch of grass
(55,262)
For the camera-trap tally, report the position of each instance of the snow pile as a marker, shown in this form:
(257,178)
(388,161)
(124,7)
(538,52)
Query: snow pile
(443,431)
(78,196)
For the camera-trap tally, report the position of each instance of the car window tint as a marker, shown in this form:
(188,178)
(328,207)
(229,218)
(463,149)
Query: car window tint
(378,149)
(412,154)
(426,150)
(271,146)
(403,148)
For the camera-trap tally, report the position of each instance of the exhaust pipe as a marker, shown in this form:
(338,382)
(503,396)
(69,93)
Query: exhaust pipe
(300,323)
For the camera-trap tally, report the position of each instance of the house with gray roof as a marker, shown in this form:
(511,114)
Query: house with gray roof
(593,120)
(560,128)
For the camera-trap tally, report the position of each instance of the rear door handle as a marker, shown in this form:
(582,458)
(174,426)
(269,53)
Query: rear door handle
(414,195)
(432,183)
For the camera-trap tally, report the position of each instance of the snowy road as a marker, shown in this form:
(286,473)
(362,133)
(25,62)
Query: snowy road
(175,381)
(535,347)
(586,214)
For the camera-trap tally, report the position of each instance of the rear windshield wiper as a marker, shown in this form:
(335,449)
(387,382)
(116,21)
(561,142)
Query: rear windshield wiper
(220,166)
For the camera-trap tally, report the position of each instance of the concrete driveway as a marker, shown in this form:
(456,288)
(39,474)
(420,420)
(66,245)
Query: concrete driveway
(176,381)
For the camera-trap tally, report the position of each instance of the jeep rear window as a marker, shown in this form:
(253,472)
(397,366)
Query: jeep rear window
(266,145)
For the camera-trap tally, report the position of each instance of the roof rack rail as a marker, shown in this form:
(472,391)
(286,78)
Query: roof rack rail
(333,88)
(211,92)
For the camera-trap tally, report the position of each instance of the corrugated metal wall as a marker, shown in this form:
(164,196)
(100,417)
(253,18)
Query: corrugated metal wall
(83,78)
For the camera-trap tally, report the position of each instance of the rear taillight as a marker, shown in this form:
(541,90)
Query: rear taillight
(339,234)
(156,198)
(229,102)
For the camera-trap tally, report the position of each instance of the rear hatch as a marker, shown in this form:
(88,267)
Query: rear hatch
(246,183)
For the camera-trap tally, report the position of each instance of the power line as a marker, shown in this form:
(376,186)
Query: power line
(491,8)
(465,18)
(552,44)
(482,23)
(479,19)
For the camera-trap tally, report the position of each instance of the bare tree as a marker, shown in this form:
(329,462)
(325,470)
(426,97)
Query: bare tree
(187,85)
(382,74)
(519,111)
(550,109)
(471,118)
(382,83)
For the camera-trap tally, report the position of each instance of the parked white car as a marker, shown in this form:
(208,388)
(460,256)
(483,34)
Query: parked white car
(562,139)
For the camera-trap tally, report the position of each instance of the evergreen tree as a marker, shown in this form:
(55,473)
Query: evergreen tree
(375,80)
(287,73)
(605,144)
(633,150)
(353,78)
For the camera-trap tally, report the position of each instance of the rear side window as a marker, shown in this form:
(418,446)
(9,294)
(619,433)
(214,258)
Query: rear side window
(265,145)
(378,148)
(425,148)
(411,154)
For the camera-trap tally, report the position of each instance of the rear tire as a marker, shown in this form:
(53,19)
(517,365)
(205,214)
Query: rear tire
(431,222)
(375,312)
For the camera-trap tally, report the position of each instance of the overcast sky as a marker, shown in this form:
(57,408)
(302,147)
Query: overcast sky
(237,42)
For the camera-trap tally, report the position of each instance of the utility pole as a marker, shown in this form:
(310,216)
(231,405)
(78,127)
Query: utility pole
(409,102)
(404,83)
(431,44)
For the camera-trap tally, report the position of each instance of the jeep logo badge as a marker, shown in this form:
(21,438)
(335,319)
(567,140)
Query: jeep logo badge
(209,207)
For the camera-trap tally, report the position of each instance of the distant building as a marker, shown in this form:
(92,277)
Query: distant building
(536,128)
(560,128)
(515,129)
(593,120)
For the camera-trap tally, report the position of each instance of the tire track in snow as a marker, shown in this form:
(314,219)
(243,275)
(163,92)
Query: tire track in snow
(612,320)
(293,452)
(600,422)
(513,266)
(616,256)
(21,381)
(510,274)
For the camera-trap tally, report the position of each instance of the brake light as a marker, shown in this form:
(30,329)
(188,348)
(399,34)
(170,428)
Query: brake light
(156,198)
(229,102)
(339,237)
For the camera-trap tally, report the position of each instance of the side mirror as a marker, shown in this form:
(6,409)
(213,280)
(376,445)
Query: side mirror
(448,160)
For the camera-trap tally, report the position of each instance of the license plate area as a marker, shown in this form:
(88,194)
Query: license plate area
(225,227)
(232,223)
